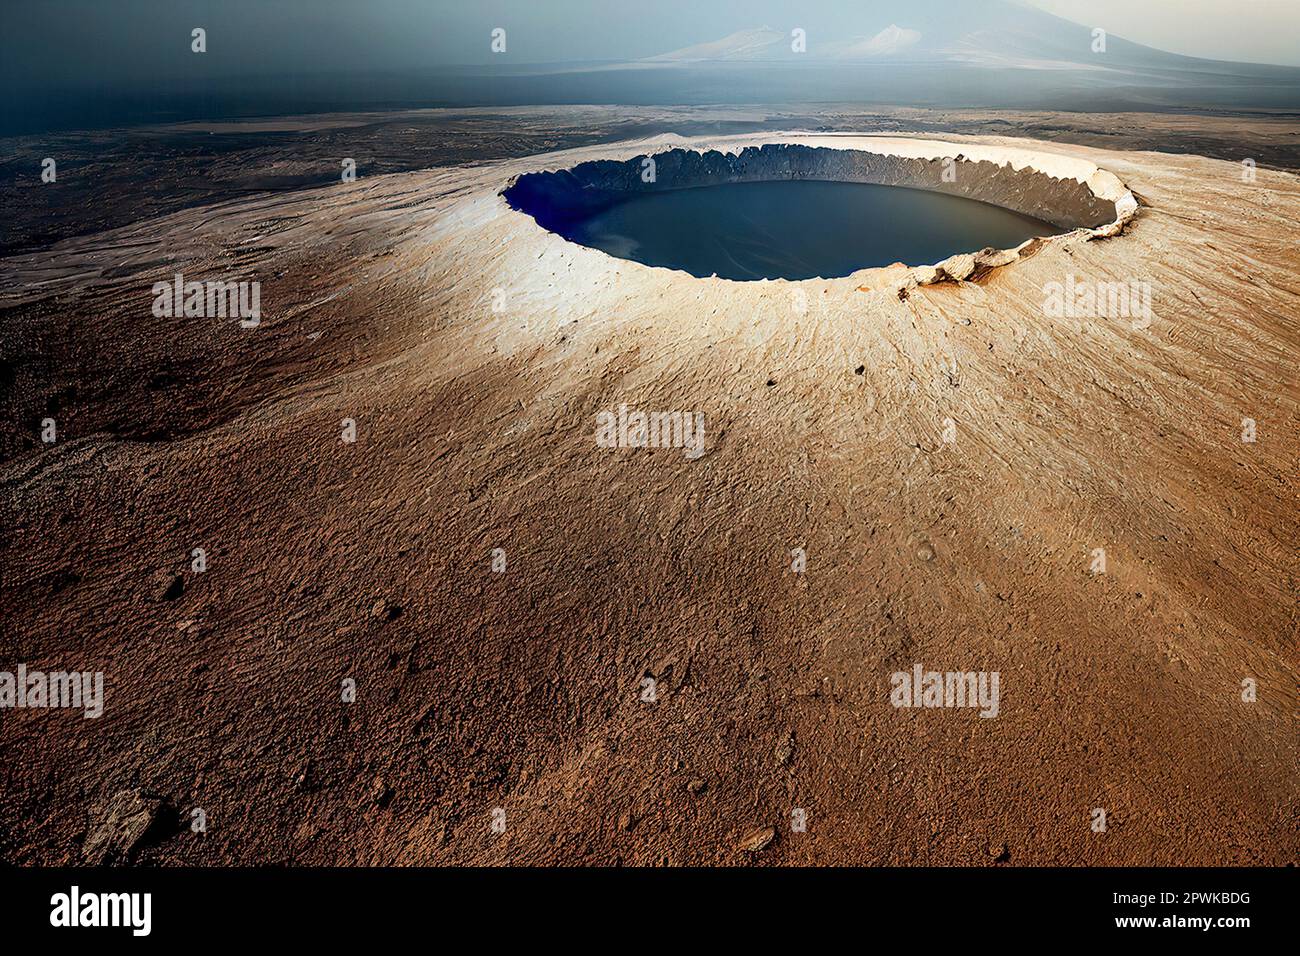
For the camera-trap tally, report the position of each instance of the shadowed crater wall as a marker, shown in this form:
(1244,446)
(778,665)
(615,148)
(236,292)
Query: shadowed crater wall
(559,200)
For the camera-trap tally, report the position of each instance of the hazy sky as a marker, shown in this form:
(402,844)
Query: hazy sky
(1254,31)
(80,42)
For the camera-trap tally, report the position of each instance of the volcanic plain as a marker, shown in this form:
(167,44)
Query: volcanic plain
(499,591)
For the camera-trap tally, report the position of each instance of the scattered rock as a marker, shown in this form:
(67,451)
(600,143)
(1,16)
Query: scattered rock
(989,259)
(696,786)
(626,822)
(999,852)
(758,840)
(785,749)
(167,586)
(959,267)
(116,830)
(385,610)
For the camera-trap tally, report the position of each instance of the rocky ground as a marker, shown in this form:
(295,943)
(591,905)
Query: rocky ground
(478,691)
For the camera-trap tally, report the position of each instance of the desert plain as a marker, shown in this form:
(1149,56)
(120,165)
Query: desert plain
(498,588)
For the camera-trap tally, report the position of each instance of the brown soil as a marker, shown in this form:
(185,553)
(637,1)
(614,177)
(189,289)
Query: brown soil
(522,690)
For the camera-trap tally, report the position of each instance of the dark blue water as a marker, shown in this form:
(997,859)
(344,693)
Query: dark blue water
(798,229)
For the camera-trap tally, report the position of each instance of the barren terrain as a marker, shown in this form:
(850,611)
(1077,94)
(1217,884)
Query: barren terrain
(522,690)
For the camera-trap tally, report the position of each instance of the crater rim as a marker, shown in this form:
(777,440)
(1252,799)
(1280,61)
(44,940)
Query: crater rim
(1065,191)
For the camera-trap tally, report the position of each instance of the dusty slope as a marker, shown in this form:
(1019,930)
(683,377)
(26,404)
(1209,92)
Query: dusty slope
(521,690)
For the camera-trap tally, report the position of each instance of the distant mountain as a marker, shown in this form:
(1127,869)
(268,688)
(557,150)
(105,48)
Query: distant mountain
(1001,54)
(891,41)
(992,33)
(761,43)
(764,43)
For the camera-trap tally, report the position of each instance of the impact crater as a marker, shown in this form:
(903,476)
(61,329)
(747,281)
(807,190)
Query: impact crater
(793,211)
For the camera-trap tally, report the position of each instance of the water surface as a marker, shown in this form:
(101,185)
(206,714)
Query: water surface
(798,229)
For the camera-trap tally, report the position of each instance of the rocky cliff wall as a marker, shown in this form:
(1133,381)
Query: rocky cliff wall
(556,198)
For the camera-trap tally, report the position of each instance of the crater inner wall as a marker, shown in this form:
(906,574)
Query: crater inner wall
(558,198)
